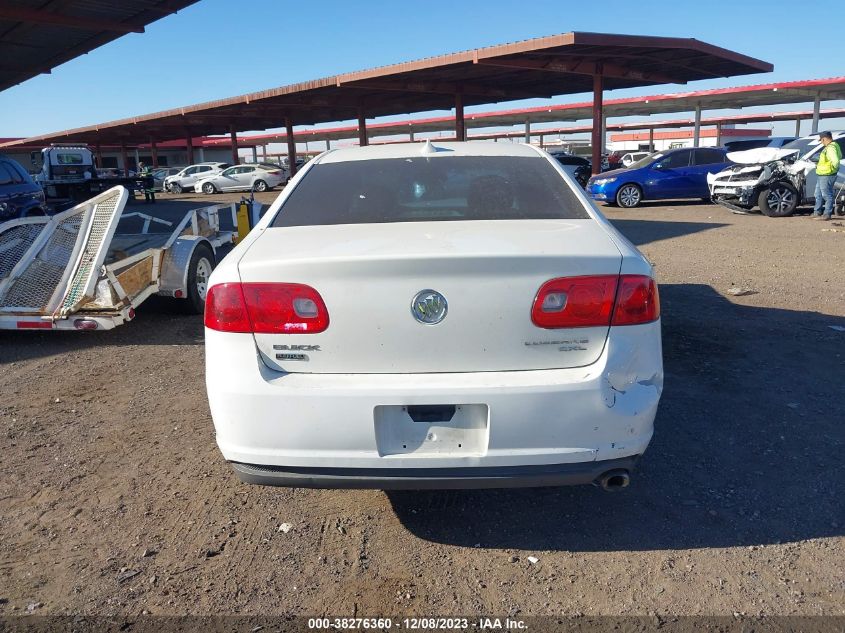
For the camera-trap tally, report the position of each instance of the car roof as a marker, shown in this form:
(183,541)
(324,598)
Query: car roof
(437,148)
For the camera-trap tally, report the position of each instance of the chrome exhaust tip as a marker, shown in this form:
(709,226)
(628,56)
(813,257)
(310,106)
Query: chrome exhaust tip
(614,480)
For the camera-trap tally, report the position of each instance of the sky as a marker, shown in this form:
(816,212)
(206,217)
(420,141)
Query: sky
(221,48)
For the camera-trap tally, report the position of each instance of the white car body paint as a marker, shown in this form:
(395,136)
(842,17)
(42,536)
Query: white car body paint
(519,404)
(632,157)
(759,155)
(236,178)
(189,175)
(506,262)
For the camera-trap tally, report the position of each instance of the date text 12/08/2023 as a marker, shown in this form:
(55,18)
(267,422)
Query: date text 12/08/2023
(422,623)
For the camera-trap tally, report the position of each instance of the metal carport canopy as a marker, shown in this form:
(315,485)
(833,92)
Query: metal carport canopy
(38,35)
(721,98)
(816,90)
(735,119)
(568,63)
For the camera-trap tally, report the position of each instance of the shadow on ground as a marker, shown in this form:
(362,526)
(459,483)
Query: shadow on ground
(646,231)
(158,321)
(747,448)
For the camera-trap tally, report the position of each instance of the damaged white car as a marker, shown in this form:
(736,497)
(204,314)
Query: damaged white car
(420,316)
(776,180)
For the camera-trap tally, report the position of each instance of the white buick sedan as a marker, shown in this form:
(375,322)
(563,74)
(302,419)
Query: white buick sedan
(456,315)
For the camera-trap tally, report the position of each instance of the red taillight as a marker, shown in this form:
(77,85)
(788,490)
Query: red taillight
(265,308)
(34,325)
(570,302)
(575,302)
(637,301)
(225,309)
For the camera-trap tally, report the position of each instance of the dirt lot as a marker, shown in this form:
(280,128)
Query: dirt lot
(115,500)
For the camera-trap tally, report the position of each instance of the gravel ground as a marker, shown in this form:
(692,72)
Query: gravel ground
(114,499)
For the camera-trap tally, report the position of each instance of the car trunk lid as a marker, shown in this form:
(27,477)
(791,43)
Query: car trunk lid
(488,271)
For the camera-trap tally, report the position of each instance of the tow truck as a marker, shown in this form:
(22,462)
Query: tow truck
(68,175)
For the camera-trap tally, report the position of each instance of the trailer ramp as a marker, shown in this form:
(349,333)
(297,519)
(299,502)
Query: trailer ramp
(50,266)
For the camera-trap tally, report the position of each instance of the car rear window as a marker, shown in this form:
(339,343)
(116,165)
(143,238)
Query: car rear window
(428,189)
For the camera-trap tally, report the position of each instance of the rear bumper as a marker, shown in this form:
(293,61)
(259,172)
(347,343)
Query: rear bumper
(432,478)
(32,322)
(350,430)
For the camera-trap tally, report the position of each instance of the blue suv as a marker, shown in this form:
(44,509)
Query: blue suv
(670,174)
(20,197)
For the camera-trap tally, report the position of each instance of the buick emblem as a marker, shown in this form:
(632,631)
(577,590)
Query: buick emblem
(429,307)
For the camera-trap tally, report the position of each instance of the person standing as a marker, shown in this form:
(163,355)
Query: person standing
(146,173)
(826,170)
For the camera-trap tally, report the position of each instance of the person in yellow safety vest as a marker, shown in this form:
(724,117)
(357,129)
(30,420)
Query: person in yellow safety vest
(826,170)
(144,171)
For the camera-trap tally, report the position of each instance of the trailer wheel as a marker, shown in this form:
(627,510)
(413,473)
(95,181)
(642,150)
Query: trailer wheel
(199,270)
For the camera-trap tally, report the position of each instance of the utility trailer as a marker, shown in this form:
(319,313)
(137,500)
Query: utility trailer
(90,267)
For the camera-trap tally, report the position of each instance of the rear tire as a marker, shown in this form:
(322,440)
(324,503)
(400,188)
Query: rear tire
(208,188)
(199,270)
(35,213)
(629,196)
(778,201)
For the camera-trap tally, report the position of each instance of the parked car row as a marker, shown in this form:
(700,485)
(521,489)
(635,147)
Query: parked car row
(677,173)
(191,175)
(213,177)
(773,174)
(248,177)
